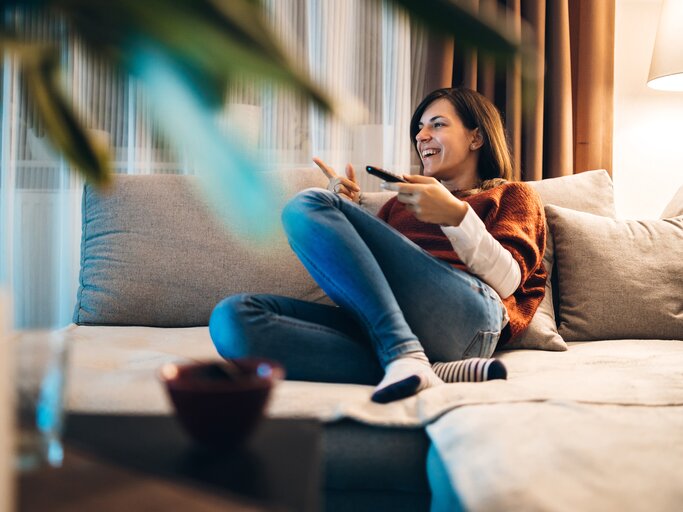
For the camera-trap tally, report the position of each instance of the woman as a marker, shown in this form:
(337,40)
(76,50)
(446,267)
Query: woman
(448,270)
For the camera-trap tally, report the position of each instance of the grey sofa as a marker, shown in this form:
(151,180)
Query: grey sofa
(154,262)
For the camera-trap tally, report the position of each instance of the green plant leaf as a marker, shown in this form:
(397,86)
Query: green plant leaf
(485,32)
(213,40)
(39,69)
(233,181)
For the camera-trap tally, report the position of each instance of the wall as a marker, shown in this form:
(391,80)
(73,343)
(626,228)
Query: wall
(648,124)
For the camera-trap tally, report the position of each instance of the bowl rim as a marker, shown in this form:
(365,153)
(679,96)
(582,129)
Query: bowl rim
(251,382)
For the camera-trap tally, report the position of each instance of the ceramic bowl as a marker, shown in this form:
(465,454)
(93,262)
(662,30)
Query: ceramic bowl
(220,403)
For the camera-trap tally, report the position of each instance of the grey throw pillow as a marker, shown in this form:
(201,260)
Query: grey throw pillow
(675,206)
(591,192)
(619,278)
(152,254)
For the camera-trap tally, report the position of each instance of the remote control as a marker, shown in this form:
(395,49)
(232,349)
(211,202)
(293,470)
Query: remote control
(384,175)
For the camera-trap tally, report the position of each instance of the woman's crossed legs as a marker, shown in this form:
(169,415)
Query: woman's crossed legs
(395,300)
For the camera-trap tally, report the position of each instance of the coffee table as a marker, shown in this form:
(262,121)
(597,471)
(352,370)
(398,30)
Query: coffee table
(127,463)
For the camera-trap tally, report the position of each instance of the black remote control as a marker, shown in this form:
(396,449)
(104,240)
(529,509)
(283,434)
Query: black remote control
(384,175)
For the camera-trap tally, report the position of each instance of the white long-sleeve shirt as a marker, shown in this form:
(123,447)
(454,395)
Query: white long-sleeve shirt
(484,256)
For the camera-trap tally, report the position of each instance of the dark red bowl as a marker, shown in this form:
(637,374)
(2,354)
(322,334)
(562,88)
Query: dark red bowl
(220,403)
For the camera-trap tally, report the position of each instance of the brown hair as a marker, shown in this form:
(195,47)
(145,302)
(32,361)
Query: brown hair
(475,111)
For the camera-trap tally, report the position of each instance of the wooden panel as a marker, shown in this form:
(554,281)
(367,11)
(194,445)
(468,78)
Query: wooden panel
(594,84)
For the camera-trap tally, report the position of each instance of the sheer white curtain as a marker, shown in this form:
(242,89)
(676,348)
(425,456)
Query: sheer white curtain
(40,195)
(39,216)
(355,48)
(362,49)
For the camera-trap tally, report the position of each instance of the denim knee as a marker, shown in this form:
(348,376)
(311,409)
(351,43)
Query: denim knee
(294,214)
(227,326)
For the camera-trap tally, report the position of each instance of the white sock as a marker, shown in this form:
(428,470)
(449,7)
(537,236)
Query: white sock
(404,377)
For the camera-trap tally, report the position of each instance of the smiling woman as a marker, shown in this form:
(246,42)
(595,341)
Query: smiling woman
(450,269)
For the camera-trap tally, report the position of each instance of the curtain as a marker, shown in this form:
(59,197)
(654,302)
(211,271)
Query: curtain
(40,194)
(563,123)
(364,52)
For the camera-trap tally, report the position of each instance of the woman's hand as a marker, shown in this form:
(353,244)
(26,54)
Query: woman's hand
(429,200)
(343,186)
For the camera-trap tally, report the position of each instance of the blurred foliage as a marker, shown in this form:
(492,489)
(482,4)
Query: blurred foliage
(207,42)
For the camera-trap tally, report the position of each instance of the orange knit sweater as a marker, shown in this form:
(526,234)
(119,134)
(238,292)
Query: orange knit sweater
(513,214)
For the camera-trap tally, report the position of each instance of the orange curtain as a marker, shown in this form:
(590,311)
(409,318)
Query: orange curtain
(563,124)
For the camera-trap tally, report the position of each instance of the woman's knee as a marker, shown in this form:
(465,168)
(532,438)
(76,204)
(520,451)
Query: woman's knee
(296,212)
(228,326)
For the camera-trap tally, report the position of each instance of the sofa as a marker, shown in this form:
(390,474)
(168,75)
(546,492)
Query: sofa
(589,418)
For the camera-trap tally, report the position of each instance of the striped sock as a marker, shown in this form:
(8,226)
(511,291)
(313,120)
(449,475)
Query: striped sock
(476,369)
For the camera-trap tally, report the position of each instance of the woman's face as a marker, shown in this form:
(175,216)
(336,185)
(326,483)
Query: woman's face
(447,148)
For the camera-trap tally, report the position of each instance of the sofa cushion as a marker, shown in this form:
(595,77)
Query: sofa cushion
(619,279)
(591,192)
(152,254)
(114,369)
(675,206)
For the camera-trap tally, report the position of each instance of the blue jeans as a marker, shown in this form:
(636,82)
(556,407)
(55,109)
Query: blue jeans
(393,298)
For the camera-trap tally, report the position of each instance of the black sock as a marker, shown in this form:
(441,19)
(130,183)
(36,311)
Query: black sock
(398,390)
(404,377)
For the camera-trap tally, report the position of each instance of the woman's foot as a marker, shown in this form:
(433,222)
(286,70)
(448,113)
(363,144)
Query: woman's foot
(405,377)
(476,369)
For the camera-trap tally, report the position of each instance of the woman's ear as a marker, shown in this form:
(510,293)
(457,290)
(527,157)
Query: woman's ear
(477,139)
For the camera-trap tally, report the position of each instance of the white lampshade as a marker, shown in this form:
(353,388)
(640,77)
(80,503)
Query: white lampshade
(666,68)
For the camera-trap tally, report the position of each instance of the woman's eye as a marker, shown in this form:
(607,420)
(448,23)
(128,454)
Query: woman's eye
(437,125)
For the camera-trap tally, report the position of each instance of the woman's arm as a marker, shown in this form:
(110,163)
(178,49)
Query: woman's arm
(484,256)
(502,256)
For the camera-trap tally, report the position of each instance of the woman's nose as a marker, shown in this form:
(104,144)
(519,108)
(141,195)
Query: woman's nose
(422,135)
